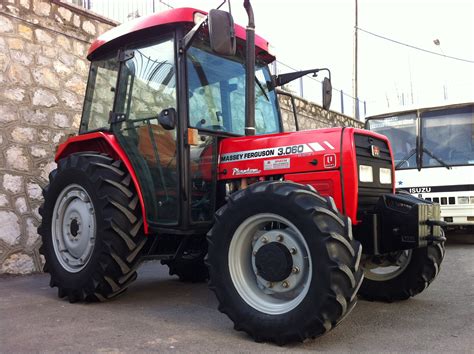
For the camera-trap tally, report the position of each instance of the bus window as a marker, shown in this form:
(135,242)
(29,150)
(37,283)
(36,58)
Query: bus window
(449,136)
(401,131)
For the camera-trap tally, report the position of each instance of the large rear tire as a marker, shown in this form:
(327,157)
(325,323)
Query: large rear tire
(282,262)
(400,275)
(91,228)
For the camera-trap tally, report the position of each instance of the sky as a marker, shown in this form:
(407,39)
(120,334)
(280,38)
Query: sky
(306,34)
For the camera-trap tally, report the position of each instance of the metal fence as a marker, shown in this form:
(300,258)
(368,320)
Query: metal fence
(122,10)
(307,87)
(310,88)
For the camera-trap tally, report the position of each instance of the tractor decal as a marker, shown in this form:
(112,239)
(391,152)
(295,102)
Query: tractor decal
(274,152)
(276,164)
(247,171)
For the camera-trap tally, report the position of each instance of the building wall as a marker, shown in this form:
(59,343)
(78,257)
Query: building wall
(43,73)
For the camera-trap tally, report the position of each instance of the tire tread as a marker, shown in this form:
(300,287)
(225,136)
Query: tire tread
(340,298)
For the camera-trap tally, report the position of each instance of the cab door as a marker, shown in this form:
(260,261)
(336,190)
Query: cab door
(146,86)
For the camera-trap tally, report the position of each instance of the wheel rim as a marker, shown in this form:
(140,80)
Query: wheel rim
(272,298)
(389,267)
(73,228)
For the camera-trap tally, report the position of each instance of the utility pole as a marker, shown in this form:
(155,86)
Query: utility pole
(437,43)
(354,80)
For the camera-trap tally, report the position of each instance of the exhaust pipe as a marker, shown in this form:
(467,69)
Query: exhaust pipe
(250,72)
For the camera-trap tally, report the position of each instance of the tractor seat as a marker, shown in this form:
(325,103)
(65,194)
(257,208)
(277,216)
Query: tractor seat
(156,143)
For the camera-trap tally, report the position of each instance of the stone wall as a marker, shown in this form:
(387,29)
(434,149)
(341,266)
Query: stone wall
(43,71)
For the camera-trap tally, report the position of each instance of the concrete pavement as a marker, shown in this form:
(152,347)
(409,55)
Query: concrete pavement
(159,313)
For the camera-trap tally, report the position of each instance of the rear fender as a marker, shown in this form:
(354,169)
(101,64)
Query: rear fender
(104,143)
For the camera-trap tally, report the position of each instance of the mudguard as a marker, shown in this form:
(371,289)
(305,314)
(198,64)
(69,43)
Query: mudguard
(103,142)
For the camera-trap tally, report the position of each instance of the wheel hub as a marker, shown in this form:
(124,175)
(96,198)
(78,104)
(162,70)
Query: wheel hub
(273,262)
(73,228)
(269,263)
(281,257)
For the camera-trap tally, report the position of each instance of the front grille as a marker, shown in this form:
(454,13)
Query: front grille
(369,192)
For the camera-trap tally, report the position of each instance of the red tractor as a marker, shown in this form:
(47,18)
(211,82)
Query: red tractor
(181,156)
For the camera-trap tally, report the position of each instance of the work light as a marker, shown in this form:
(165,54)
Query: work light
(366,173)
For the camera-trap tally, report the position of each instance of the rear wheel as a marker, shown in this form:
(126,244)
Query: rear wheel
(91,228)
(400,275)
(282,262)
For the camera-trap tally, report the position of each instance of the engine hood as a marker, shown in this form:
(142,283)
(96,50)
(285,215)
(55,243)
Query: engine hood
(303,151)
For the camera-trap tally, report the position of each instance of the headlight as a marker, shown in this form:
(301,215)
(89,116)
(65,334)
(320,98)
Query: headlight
(366,173)
(385,175)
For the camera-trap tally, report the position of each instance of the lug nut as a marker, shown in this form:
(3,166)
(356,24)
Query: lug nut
(264,239)
(285,284)
(295,270)
(280,238)
(254,253)
(293,250)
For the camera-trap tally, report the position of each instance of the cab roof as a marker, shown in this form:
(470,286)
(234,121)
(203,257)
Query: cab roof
(170,17)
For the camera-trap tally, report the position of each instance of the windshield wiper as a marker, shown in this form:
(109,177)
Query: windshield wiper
(259,84)
(425,150)
(441,162)
(405,159)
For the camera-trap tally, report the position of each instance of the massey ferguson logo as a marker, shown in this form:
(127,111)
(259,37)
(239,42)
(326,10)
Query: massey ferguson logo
(247,171)
(374,151)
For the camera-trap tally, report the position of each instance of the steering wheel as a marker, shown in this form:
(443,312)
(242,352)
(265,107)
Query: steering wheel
(217,127)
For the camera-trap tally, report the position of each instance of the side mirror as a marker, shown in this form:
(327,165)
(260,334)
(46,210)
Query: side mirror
(167,118)
(327,93)
(221,32)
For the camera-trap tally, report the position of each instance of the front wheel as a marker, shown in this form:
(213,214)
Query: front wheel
(282,262)
(400,275)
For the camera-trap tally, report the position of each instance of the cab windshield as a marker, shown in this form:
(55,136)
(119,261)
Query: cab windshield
(216,93)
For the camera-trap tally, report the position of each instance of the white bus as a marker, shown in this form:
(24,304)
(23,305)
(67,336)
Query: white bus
(434,157)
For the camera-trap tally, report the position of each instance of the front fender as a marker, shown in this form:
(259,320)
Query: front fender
(103,142)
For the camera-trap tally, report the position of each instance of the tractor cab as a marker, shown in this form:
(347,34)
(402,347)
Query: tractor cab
(151,93)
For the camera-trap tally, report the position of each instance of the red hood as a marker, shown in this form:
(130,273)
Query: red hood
(302,151)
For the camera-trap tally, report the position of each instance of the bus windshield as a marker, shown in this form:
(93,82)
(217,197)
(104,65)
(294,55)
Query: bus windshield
(401,131)
(449,135)
(446,137)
